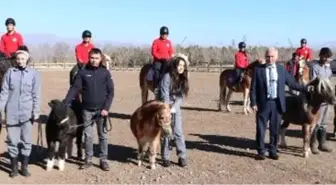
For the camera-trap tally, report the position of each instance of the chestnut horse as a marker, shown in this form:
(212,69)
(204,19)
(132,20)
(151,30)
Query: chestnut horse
(304,110)
(226,81)
(303,72)
(148,123)
(147,73)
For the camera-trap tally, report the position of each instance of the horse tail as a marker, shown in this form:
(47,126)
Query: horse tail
(143,82)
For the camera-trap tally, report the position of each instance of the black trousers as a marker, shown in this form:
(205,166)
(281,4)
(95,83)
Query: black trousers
(160,68)
(272,114)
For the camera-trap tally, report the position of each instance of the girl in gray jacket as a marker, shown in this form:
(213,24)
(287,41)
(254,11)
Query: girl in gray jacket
(20,97)
(173,88)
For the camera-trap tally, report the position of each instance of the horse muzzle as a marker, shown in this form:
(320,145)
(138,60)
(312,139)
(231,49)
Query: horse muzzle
(167,130)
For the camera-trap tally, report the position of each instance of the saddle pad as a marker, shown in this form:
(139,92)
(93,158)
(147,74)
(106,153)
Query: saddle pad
(150,74)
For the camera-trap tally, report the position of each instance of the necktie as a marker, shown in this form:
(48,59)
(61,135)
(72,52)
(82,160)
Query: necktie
(272,82)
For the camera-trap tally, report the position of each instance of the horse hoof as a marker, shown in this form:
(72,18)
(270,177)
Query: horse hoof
(139,163)
(306,154)
(61,165)
(50,164)
(153,167)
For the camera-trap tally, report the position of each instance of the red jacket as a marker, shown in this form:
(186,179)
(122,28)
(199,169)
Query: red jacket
(305,52)
(10,43)
(162,49)
(82,52)
(241,60)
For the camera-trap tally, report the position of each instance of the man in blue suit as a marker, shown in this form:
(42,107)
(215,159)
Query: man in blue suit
(267,96)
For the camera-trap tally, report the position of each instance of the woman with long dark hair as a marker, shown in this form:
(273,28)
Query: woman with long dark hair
(173,88)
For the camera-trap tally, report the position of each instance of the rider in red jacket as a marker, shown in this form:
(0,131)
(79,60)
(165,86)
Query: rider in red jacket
(241,62)
(83,49)
(10,41)
(162,52)
(303,51)
(82,54)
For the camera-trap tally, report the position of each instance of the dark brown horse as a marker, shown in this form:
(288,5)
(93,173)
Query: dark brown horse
(226,81)
(147,73)
(304,110)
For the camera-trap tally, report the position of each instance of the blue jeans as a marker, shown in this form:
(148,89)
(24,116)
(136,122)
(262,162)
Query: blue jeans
(178,136)
(89,117)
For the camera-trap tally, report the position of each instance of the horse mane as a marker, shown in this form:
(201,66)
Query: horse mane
(149,109)
(323,83)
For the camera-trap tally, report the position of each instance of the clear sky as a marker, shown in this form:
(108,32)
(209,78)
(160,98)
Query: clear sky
(205,22)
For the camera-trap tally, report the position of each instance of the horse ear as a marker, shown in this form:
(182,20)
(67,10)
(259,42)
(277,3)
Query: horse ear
(51,103)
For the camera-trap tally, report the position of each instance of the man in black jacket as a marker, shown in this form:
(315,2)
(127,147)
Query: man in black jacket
(97,90)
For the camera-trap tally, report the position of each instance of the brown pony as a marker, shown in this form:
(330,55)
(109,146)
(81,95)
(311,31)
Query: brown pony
(147,73)
(226,80)
(306,111)
(148,122)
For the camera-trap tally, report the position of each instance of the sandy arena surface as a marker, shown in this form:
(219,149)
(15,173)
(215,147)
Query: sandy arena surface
(220,145)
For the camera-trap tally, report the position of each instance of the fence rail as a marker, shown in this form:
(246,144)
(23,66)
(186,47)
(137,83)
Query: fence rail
(48,66)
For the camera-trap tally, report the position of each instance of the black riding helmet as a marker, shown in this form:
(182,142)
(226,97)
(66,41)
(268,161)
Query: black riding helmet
(10,21)
(164,30)
(241,45)
(303,41)
(294,55)
(86,33)
(325,51)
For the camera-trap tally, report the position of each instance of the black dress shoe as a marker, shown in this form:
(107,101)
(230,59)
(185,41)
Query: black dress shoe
(274,156)
(260,157)
(166,163)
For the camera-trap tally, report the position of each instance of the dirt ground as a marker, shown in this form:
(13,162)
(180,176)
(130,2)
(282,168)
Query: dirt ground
(220,145)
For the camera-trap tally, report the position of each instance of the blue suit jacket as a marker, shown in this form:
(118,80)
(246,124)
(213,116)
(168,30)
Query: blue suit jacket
(258,91)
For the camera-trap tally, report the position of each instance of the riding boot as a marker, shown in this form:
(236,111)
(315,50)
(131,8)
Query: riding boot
(24,166)
(323,146)
(14,167)
(314,143)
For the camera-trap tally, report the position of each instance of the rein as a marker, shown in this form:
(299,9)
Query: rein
(108,126)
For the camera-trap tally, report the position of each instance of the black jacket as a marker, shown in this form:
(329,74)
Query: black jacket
(97,88)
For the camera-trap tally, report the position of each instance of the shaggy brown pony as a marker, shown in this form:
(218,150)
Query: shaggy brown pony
(305,111)
(148,122)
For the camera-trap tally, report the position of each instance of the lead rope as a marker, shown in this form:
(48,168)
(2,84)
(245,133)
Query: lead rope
(107,127)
